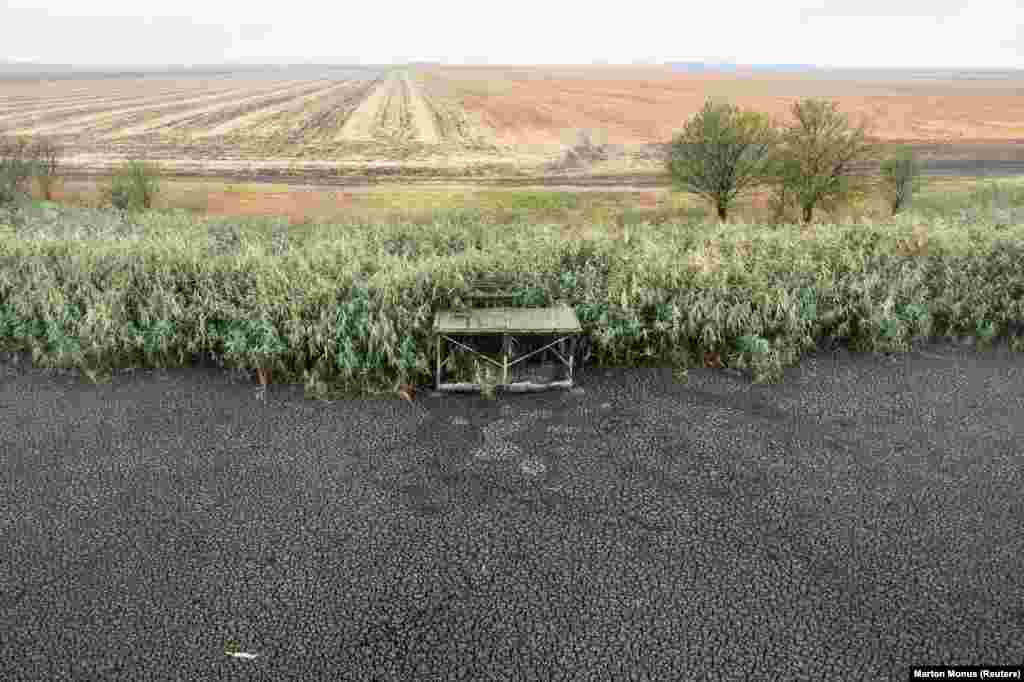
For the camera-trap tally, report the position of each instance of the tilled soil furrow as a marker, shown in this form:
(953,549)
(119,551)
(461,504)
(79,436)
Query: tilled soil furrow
(454,123)
(39,94)
(259,120)
(404,130)
(116,118)
(30,106)
(60,95)
(424,123)
(389,122)
(324,119)
(362,123)
(191,113)
(228,115)
(49,116)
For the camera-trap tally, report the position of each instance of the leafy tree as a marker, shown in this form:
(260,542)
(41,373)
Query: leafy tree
(721,152)
(900,178)
(815,156)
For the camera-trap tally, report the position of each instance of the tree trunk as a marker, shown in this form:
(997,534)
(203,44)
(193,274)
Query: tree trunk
(722,212)
(808,213)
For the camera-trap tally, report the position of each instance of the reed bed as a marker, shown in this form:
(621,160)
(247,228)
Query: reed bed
(348,308)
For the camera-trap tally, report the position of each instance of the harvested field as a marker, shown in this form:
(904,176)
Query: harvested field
(651,104)
(476,123)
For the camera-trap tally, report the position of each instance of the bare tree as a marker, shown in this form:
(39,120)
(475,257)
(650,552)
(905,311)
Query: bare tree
(721,152)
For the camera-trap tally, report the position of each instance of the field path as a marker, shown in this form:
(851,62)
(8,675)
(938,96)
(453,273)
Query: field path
(79,123)
(362,124)
(424,124)
(181,117)
(251,119)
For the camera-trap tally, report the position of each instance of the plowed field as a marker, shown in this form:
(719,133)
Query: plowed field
(470,122)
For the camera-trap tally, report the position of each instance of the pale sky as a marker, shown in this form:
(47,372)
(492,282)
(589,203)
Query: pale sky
(828,33)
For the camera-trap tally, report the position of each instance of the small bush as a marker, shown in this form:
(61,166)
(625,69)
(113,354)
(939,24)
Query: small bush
(134,187)
(46,156)
(900,178)
(585,151)
(16,167)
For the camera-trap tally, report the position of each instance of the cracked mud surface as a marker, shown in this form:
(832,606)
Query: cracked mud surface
(860,516)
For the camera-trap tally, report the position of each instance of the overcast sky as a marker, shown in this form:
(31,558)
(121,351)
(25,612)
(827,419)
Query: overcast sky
(839,33)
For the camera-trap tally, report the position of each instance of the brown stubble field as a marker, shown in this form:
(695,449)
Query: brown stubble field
(467,123)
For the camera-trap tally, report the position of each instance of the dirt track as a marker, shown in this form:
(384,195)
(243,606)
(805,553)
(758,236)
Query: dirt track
(637,167)
(329,175)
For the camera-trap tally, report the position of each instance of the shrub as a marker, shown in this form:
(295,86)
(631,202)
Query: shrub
(16,167)
(46,154)
(900,178)
(134,187)
(586,150)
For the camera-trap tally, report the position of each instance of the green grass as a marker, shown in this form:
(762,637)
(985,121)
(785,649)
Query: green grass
(542,201)
(990,198)
(349,306)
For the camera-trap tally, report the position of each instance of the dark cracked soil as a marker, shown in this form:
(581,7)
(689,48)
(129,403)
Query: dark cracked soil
(861,516)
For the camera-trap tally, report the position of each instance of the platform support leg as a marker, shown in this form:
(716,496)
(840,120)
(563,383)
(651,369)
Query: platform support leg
(504,359)
(437,370)
(572,356)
